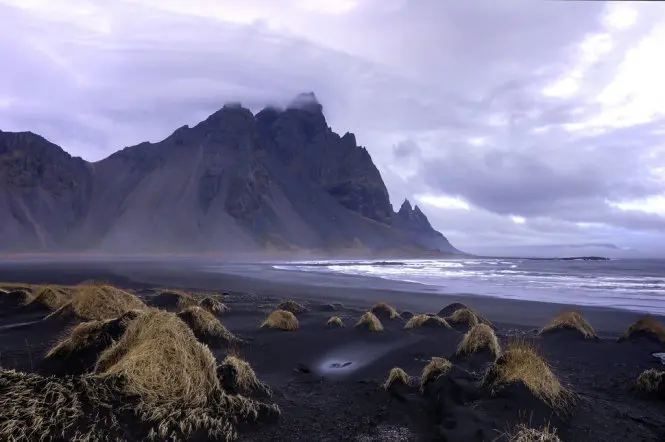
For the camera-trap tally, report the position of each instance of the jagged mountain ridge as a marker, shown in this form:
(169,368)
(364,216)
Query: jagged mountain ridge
(280,179)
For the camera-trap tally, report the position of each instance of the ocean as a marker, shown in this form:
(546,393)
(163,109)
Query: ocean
(629,284)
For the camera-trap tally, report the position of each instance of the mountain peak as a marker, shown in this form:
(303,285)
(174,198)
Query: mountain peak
(306,101)
(406,206)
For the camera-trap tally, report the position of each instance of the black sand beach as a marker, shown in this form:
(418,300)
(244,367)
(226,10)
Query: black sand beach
(327,381)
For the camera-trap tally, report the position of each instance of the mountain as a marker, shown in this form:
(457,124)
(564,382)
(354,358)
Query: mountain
(237,182)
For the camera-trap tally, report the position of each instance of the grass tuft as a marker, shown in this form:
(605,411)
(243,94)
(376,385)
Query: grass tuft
(101,302)
(207,328)
(335,321)
(292,306)
(646,325)
(651,382)
(214,306)
(173,300)
(480,337)
(520,362)
(161,361)
(451,308)
(14,298)
(381,308)
(48,298)
(281,319)
(87,339)
(156,382)
(463,316)
(424,320)
(434,368)
(522,433)
(399,376)
(370,322)
(238,377)
(572,320)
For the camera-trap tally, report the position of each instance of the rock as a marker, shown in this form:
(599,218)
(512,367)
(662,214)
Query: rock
(280,179)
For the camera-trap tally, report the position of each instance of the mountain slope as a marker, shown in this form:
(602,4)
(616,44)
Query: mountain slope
(235,182)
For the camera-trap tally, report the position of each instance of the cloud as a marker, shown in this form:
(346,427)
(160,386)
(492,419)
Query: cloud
(548,113)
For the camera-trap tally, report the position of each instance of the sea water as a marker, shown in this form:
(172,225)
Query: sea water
(630,284)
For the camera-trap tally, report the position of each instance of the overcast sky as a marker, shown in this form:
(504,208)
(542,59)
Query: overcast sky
(511,123)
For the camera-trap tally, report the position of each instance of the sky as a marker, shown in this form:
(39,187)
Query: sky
(516,125)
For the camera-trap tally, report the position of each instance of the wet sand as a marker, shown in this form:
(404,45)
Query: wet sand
(325,398)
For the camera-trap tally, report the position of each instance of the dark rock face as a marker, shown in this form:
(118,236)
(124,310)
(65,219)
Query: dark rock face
(302,140)
(44,192)
(414,222)
(236,181)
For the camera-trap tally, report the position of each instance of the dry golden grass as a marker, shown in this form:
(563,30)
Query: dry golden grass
(381,308)
(370,322)
(213,306)
(423,320)
(37,408)
(520,362)
(79,348)
(335,321)
(463,316)
(570,319)
(281,319)
(79,337)
(14,298)
(206,327)
(292,306)
(157,380)
(161,361)
(238,377)
(522,433)
(99,301)
(174,300)
(646,325)
(397,375)
(480,337)
(48,298)
(450,309)
(651,382)
(434,368)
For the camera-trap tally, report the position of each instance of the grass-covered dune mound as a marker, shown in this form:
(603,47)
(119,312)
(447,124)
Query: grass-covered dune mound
(157,381)
(281,320)
(384,311)
(369,321)
(651,382)
(520,363)
(47,299)
(76,352)
(99,302)
(335,321)
(292,306)
(13,299)
(238,377)
(173,300)
(481,337)
(207,328)
(214,306)
(569,320)
(645,327)
(433,369)
(460,315)
(397,376)
(425,320)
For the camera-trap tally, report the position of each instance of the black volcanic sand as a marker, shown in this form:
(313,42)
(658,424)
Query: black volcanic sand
(328,381)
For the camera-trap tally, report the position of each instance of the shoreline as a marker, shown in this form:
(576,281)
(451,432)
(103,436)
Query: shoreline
(354,291)
(325,383)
